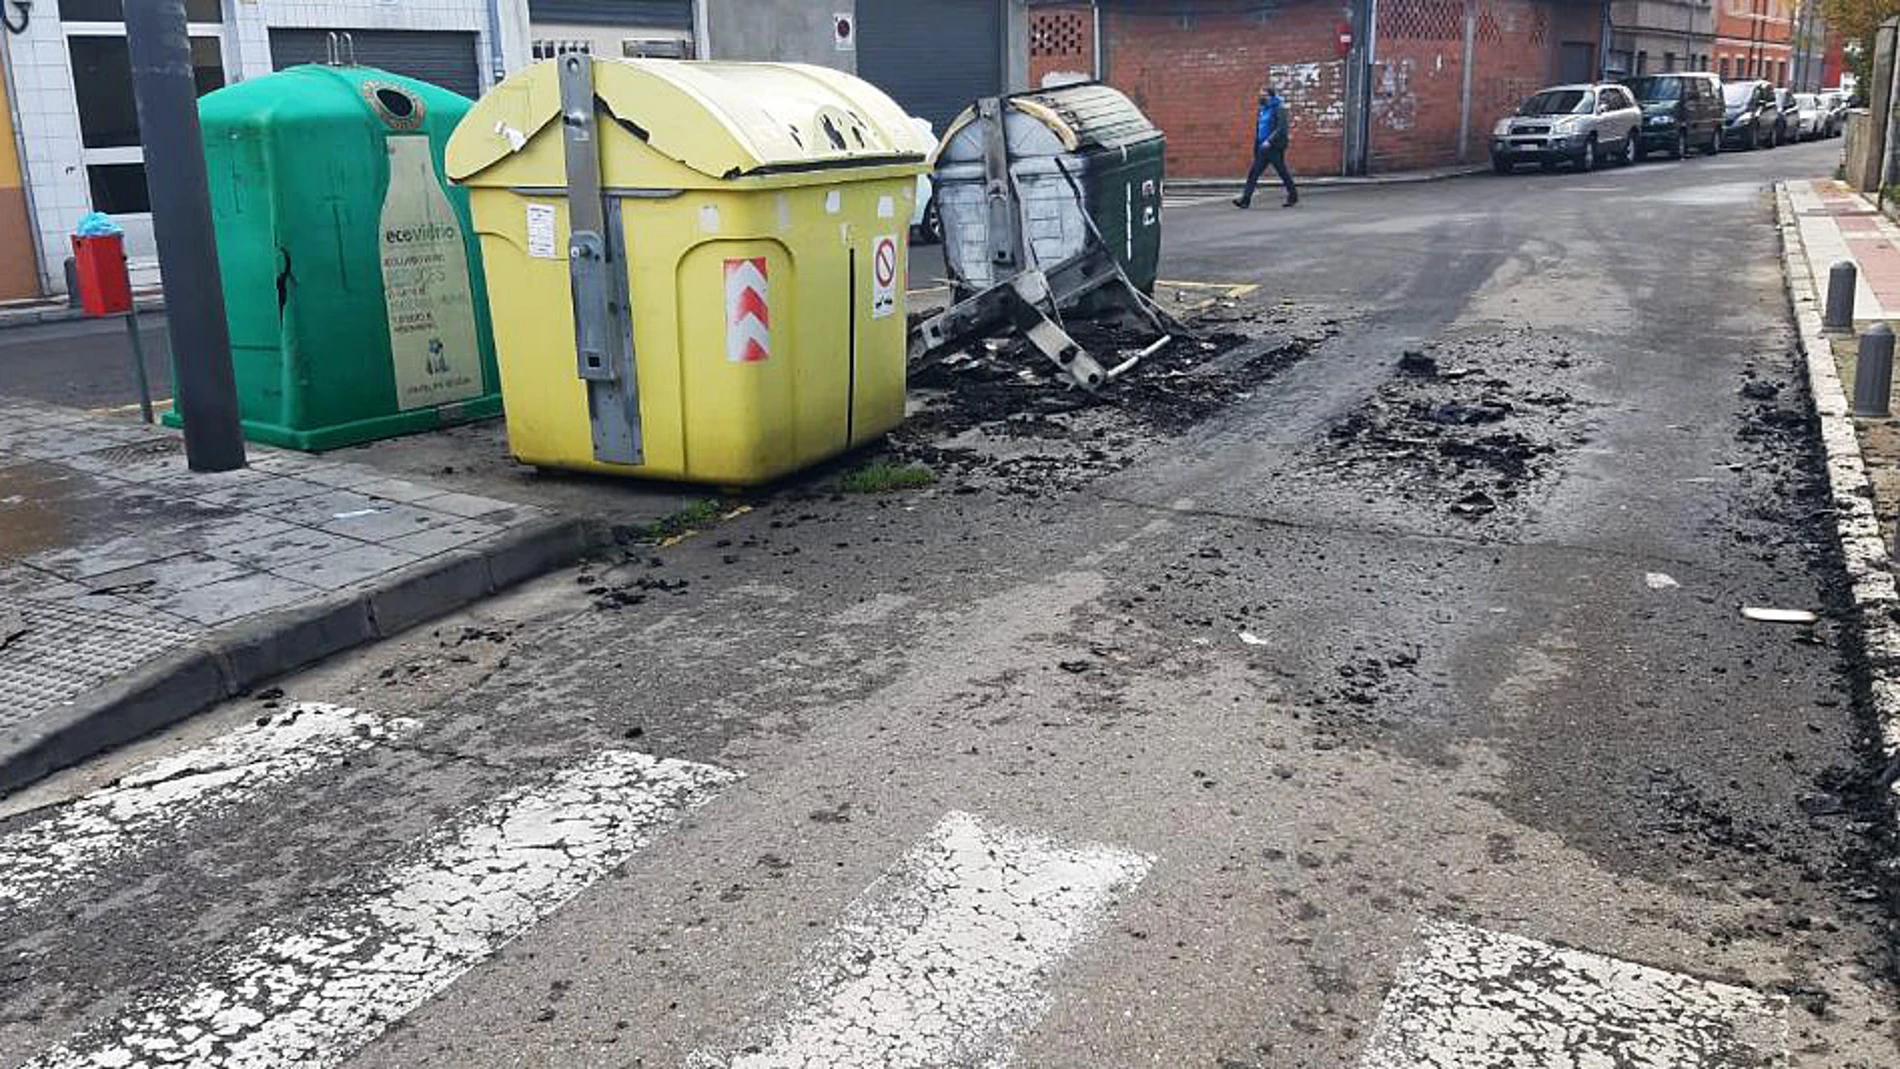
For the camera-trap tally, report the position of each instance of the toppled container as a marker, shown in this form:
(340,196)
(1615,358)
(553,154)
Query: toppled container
(697,269)
(352,279)
(1021,178)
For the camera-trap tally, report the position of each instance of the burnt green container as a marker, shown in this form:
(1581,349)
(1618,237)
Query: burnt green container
(352,277)
(1087,133)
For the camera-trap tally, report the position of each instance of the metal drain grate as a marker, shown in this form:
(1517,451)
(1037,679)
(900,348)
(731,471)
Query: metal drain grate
(62,651)
(137,451)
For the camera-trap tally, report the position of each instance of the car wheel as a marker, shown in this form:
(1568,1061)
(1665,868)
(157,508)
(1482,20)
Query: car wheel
(1754,137)
(1681,151)
(1632,148)
(1500,165)
(1588,161)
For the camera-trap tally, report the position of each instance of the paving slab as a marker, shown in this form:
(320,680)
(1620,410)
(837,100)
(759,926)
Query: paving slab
(134,591)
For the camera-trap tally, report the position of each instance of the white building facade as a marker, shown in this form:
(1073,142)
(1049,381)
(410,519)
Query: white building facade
(77,124)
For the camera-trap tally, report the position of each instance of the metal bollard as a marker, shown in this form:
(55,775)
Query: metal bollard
(1873,372)
(1841,279)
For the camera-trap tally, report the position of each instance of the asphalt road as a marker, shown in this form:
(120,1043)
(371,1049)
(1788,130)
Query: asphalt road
(1392,718)
(83,363)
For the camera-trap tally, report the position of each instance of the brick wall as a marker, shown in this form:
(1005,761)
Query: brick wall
(1418,83)
(1061,44)
(1197,71)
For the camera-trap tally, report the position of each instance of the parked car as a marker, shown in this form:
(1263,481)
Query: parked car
(1810,117)
(1835,102)
(1680,111)
(1579,124)
(1790,115)
(926,225)
(1751,118)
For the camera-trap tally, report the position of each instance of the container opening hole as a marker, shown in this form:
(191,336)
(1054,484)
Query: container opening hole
(593,361)
(831,133)
(795,137)
(858,135)
(397,103)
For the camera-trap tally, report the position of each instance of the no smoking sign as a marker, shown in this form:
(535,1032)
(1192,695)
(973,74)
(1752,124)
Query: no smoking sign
(884,276)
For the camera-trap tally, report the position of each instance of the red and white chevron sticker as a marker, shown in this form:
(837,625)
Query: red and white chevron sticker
(748,312)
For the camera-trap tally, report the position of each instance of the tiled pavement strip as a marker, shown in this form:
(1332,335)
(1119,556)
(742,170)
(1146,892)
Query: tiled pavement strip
(1837,224)
(114,555)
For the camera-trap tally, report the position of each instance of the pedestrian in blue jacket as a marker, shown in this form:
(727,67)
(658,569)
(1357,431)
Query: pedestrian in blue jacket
(1269,148)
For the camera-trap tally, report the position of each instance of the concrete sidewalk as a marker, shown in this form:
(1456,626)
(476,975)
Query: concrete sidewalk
(134,592)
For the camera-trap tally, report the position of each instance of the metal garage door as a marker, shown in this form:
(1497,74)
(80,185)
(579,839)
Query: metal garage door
(644,14)
(438,57)
(933,58)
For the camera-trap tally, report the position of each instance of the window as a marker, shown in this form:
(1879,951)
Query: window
(114,10)
(1559,102)
(1642,63)
(119,188)
(1783,76)
(548,49)
(1669,61)
(102,93)
(1724,66)
(102,86)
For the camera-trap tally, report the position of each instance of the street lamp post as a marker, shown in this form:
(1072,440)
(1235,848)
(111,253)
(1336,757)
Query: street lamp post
(167,97)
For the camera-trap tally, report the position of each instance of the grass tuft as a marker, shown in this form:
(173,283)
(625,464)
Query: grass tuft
(883,477)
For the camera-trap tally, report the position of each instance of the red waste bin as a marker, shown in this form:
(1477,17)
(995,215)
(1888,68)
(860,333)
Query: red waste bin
(105,287)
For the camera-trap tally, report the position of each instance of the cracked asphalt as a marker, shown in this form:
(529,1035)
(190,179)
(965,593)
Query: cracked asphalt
(1361,691)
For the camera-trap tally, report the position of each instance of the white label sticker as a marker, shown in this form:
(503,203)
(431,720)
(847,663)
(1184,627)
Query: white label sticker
(426,285)
(541,232)
(883,276)
(886,208)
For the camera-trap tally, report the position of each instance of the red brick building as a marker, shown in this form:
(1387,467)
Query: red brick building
(1754,39)
(1197,68)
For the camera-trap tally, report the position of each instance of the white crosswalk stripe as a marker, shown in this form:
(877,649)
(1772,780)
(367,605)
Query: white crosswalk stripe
(942,961)
(1471,997)
(310,996)
(172,792)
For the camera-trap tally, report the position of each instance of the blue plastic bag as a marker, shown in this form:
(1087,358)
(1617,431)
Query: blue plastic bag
(97,225)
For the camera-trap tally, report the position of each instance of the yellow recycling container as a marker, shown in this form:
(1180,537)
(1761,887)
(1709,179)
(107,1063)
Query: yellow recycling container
(696,270)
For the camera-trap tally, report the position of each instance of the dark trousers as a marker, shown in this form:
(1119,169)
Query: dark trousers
(1272,155)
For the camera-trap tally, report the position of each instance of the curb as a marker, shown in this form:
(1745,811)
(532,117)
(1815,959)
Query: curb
(1401,178)
(231,661)
(1876,598)
(60,312)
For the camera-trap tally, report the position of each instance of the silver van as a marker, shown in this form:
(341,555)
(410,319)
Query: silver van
(1579,124)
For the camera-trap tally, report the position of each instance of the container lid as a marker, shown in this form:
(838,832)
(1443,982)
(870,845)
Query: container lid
(311,92)
(723,120)
(1084,117)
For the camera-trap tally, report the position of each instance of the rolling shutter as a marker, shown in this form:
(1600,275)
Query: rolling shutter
(644,14)
(933,58)
(442,58)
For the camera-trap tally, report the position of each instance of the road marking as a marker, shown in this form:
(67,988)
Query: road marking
(171,792)
(159,404)
(1472,997)
(312,996)
(1227,289)
(942,961)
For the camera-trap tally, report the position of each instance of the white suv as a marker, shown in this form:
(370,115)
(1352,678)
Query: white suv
(1582,124)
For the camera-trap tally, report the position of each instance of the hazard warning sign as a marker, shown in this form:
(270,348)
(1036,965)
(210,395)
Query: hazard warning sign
(883,276)
(748,311)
